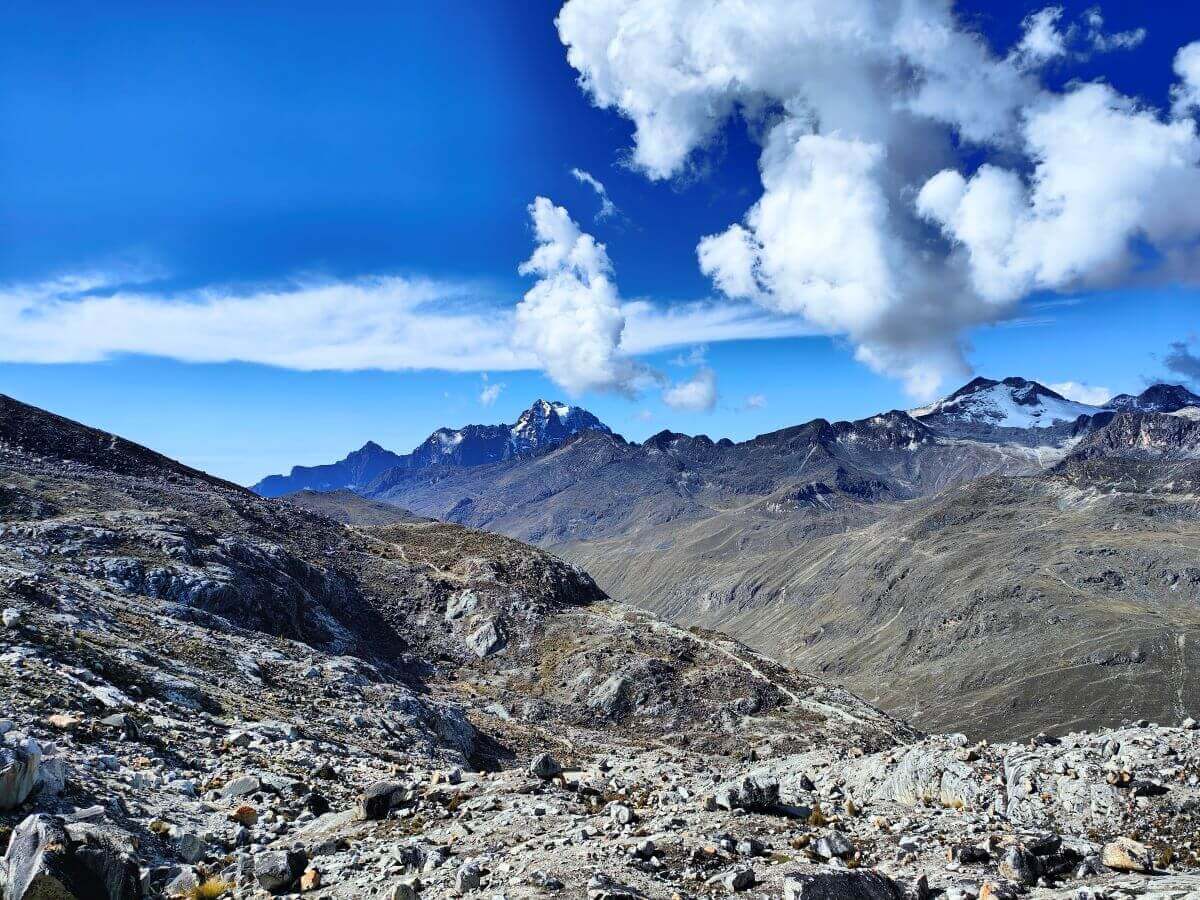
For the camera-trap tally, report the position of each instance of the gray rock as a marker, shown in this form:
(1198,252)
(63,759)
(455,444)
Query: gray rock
(277,870)
(544,766)
(18,774)
(468,878)
(1021,866)
(241,786)
(750,847)
(52,777)
(11,617)
(46,860)
(376,801)
(192,847)
(601,887)
(621,814)
(461,605)
(834,845)
(487,639)
(183,884)
(756,792)
(858,884)
(735,879)
(928,775)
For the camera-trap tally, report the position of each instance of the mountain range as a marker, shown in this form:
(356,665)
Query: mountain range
(542,427)
(905,542)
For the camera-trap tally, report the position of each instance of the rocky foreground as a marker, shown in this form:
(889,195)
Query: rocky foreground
(209,694)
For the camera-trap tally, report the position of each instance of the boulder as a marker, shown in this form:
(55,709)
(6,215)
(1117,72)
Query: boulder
(855,884)
(487,639)
(1021,866)
(376,801)
(468,878)
(277,870)
(241,786)
(48,859)
(1127,855)
(18,773)
(756,792)
(545,767)
(834,845)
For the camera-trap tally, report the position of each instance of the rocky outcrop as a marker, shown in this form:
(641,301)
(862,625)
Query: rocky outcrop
(48,858)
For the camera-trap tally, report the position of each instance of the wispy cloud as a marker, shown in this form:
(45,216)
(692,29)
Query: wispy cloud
(754,401)
(1092,394)
(607,208)
(490,392)
(387,323)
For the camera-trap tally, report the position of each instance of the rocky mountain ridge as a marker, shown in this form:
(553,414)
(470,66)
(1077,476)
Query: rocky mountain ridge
(543,426)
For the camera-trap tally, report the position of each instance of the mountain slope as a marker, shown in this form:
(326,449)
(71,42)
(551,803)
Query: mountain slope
(350,508)
(1004,601)
(785,540)
(598,486)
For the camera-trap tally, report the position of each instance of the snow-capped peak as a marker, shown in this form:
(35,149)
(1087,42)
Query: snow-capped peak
(1011,403)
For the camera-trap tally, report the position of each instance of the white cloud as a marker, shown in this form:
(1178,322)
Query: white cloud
(607,208)
(695,356)
(571,319)
(1101,42)
(490,392)
(1107,173)
(386,323)
(1091,394)
(863,107)
(697,394)
(1042,40)
(1186,94)
(754,401)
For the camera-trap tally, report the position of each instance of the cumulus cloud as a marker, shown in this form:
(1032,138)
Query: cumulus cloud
(865,111)
(754,401)
(571,319)
(1107,174)
(607,208)
(1091,394)
(697,394)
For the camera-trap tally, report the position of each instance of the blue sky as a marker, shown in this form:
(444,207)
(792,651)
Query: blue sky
(172,153)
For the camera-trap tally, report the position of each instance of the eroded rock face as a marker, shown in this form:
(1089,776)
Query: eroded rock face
(18,774)
(47,858)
